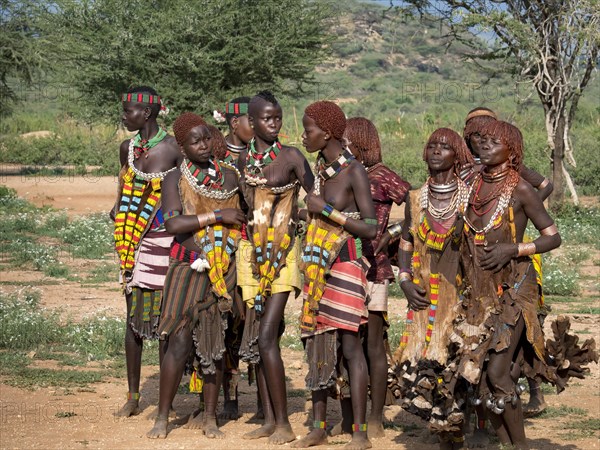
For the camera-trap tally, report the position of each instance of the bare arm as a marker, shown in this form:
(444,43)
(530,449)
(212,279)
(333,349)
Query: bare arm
(367,227)
(124,152)
(498,255)
(543,185)
(303,171)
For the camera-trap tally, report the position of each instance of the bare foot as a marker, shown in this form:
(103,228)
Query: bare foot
(258,416)
(318,436)
(359,441)
(195,421)
(535,407)
(479,439)
(282,435)
(154,414)
(340,428)
(265,431)
(211,430)
(130,408)
(159,431)
(230,410)
(375,429)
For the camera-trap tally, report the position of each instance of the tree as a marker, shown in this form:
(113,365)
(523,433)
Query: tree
(552,44)
(196,53)
(19,49)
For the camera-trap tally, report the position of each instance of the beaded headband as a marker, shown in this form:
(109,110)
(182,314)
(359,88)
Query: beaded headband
(481,112)
(140,97)
(236,108)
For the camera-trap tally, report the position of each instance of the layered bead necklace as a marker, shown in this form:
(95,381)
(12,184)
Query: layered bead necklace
(209,184)
(458,201)
(256,162)
(501,196)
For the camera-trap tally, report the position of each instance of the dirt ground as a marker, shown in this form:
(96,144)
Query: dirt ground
(83,418)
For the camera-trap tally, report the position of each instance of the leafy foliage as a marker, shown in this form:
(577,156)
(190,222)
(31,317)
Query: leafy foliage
(195,53)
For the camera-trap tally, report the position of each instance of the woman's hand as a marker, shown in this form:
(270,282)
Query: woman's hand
(314,203)
(383,242)
(415,295)
(233,216)
(496,256)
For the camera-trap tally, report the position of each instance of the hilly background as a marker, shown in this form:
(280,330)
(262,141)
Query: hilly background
(394,69)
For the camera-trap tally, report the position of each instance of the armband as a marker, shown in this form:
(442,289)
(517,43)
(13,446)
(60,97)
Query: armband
(370,221)
(544,183)
(395,231)
(206,219)
(407,246)
(549,231)
(171,214)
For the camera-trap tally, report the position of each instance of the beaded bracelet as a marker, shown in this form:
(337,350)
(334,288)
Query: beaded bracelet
(171,214)
(334,215)
(526,249)
(218,216)
(370,221)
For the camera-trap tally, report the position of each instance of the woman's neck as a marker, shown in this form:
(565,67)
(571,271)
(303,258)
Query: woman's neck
(149,130)
(332,150)
(442,177)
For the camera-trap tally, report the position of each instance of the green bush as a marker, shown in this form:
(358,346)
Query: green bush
(560,277)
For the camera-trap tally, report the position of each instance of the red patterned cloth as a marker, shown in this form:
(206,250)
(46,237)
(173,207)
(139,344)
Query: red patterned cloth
(386,188)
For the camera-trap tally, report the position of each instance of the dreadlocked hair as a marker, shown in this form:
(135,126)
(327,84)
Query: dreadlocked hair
(509,135)
(452,138)
(184,123)
(154,107)
(363,135)
(231,115)
(219,146)
(328,116)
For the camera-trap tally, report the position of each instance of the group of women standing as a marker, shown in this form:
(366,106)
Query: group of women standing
(231,206)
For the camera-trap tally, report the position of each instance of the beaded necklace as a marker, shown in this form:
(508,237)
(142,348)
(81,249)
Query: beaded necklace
(213,177)
(458,201)
(141,146)
(326,171)
(256,162)
(210,186)
(505,194)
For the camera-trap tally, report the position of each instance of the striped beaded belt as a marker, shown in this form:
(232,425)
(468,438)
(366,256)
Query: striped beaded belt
(180,253)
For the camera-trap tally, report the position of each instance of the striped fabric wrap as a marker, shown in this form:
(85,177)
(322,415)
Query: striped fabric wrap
(151,261)
(342,305)
(189,303)
(138,203)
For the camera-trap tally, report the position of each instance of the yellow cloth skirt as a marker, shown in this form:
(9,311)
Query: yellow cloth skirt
(289,278)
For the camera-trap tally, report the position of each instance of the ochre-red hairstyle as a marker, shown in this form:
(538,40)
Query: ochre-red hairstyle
(452,138)
(328,116)
(363,135)
(219,146)
(475,125)
(511,136)
(184,123)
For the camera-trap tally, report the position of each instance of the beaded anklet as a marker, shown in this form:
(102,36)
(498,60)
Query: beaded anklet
(133,396)
(319,424)
(359,427)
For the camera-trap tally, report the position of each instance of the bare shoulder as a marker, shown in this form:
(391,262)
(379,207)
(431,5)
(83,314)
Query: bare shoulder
(292,152)
(170,144)
(124,147)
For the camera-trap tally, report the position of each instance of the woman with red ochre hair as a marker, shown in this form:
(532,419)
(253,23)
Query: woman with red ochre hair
(387,188)
(429,256)
(497,318)
(341,213)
